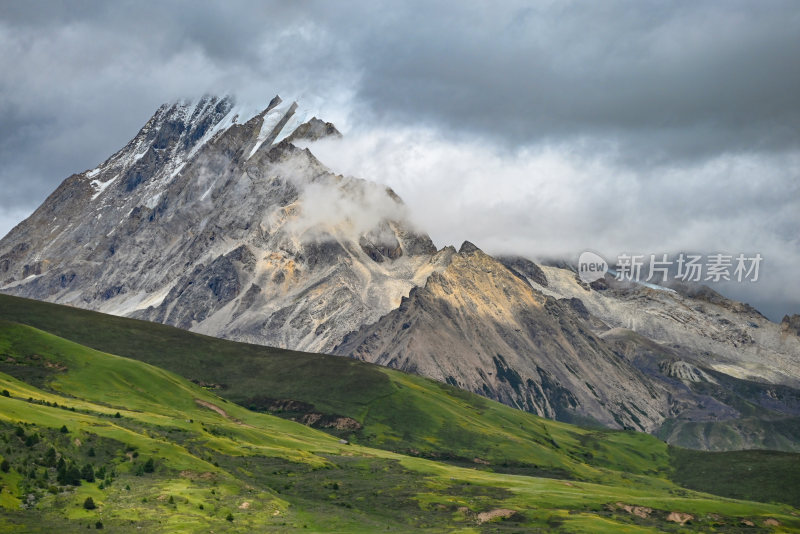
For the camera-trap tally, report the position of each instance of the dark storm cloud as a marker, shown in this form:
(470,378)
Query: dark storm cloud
(667,125)
(666,81)
(652,81)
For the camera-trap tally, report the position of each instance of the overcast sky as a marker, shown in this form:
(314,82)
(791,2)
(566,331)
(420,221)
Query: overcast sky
(541,128)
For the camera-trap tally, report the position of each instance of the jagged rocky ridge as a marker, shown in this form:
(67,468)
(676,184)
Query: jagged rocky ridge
(212,219)
(479,326)
(208,222)
(574,351)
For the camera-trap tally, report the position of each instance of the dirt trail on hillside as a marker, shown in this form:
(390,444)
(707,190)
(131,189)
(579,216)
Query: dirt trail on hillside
(220,411)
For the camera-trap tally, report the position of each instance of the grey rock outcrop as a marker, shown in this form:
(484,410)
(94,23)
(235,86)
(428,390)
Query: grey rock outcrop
(478,326)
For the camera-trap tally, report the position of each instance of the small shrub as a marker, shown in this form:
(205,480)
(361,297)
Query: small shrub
(64,429)
(99,525)
(229,517)
(117,415)
(5,466)
(6,393)
(89,504)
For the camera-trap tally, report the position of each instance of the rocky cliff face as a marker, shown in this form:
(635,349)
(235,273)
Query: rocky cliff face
(732,376)
(689,365)
(479,326)
(724,335)
(211,219)
(214,222)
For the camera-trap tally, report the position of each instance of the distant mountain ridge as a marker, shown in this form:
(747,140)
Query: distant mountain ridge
(212,220)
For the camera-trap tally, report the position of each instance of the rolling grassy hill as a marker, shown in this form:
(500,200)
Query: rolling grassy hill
(211,457)
(397,411)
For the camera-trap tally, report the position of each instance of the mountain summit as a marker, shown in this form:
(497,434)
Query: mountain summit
(213,221)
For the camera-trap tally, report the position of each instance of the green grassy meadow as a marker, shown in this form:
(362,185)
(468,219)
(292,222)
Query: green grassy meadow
(117,395)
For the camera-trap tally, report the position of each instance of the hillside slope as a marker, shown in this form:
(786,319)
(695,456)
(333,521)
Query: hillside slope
(217,465)
(393,410)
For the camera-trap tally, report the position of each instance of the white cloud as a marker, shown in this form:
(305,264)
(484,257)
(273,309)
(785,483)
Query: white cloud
(348,207)
(556,201)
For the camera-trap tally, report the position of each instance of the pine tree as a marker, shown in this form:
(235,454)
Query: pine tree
(89,504)
(50,457)
(5,466)
(87,473)
(69,476)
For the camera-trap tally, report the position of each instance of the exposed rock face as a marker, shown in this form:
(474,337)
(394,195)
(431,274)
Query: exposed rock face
(685,371)
(209,223)
(791,324)
(525,269)
(479,326)
(313,130)
(724,335)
